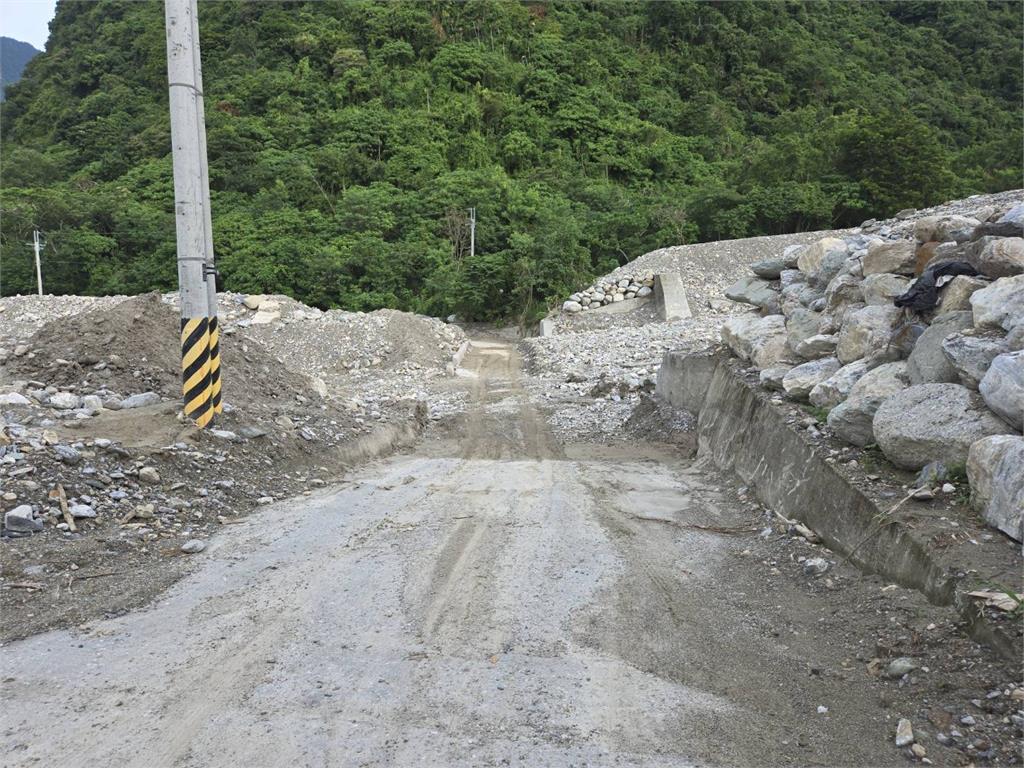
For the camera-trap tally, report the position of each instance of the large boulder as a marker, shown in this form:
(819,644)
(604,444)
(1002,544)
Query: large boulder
(956,296)
(944,228)
(801,324)
(761,340)
(851,419)
(882,288)
(755,291)
(769,269)
(810,258)
(971,352)
(1001,304)
(817,346)
(1002,387)
(836,388)
(933,422)
(995,469)
(897,257)
(843,290)
(1001,257)
(927,363)
(866,332)
(801,379)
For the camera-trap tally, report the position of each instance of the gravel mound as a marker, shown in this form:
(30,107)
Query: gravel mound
(132,346)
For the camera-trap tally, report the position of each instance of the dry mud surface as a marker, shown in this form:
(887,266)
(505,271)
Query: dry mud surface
(499,597)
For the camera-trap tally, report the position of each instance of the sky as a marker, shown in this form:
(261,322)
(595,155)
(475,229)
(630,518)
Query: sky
(27,20)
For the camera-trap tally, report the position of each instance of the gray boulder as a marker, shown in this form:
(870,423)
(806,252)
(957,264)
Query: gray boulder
(14,398)
(882,288)
(851,419)
(141,400)
(788,277)
(898,257)
(944,228)
(1001,257)
(771,378)
(753,290)
(843,290)
(769,269)
(801,379)
(810,258)
(866,333)
(761,340)
(956,296)
(927,363)
(1002,387)
(971,352)
(1001,304)
(817,346)
(933,422)
(836,388)
(995,470)
(801,324)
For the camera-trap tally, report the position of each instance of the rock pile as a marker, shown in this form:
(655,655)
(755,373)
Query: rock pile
(926,379)
(608,291)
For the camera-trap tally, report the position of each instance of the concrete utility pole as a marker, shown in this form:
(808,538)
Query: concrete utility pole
(37,245)
(472,232)
(191,208)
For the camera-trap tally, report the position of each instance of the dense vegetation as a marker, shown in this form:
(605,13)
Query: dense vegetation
(346,139)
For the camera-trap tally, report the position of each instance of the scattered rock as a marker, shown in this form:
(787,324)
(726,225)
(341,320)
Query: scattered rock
(193,546)
(149,475)
(971,353)
(21,520)
(883,288)
(753,290)
(956,296)
(815,566)
(14,398)
(81,510)
(67,455)
(64,400)
(900,666)
(904,733)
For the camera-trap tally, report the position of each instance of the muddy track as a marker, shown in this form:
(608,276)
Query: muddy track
(493,599)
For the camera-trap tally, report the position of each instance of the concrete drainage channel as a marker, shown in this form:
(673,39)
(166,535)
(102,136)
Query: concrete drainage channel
(739,430)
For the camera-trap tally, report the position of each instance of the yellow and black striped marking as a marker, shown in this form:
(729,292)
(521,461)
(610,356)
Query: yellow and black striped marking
(215,365)
(195,369)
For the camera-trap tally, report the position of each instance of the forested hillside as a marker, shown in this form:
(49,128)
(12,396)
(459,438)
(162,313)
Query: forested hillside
(346,139)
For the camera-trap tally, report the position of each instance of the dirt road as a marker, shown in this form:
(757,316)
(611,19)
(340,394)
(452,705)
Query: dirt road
(495,598)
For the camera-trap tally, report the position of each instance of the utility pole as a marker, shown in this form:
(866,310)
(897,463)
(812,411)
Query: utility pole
(472,232)
(191,196)
(37,245)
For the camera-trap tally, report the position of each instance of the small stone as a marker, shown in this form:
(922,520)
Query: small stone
(815,566)
(67,455)
(822,710)
(193,546)
(81,510)
(21,519)
(904,733)
(918,751)
(948,488)
(149,475)
(898,667)
(64,400)
(967,720)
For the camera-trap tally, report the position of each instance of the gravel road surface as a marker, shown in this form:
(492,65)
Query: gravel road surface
(494,598)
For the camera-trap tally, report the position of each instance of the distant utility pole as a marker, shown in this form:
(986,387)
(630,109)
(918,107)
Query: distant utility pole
(472,232)
(37,244)
(200,349)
